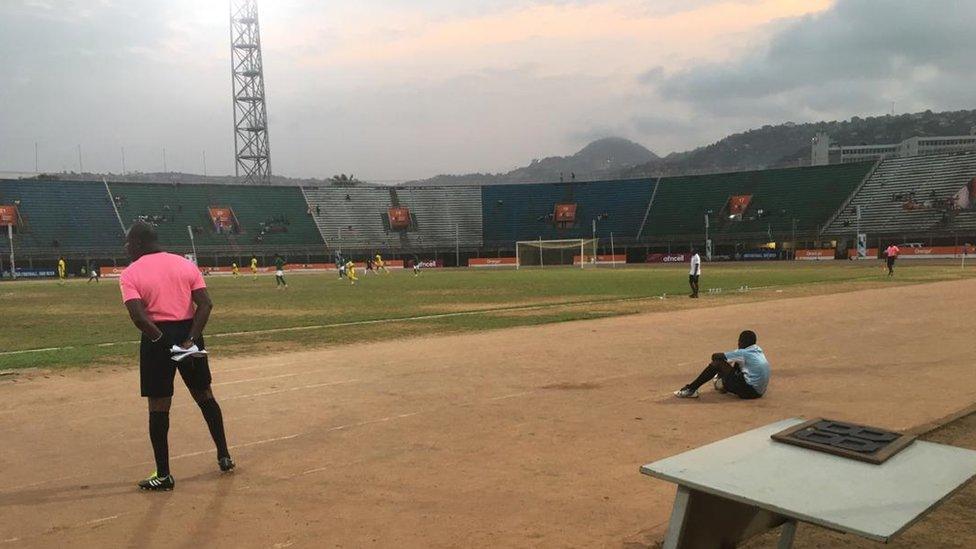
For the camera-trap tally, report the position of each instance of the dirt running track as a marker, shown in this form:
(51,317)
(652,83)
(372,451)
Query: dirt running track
(521,437)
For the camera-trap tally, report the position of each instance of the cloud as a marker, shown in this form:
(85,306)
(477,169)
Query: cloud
(397,89)
(854,58)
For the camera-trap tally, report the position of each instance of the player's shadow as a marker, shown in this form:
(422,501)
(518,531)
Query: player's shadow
(200,534)
(77,492)
(709,398)
(143,532)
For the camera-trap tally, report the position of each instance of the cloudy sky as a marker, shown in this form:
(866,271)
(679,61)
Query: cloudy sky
(401,89)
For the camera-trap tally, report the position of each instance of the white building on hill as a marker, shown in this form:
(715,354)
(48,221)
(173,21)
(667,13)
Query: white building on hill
(823,152)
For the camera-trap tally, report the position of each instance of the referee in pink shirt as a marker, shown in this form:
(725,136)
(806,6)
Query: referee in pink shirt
(167,300)
(891,254)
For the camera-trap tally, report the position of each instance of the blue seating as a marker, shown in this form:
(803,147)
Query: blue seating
(62,217)
(523,212)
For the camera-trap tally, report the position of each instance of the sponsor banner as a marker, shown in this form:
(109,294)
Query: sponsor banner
(110,272)
(601,259)
(492,262)
(815,255)
(32,273)
(870,253)
(668,258)
(426,263)
(760,255)
(936,252)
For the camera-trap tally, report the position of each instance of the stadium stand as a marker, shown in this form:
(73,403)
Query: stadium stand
(264,218)
(357,216)
(352,216)
(443,215)
(911,195)
(775,198)
(62,217)
(931,195)
(525,212)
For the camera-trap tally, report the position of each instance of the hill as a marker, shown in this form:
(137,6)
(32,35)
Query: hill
(788,144)
(598,160)
(770,146)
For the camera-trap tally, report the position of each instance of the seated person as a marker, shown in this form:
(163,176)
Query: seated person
(743,372)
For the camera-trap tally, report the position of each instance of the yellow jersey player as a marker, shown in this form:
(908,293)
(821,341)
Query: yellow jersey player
(235,270)
(351,272)
(62,270)
(254,267)
(380,266)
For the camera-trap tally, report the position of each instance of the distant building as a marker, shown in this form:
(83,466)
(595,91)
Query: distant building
(823,152)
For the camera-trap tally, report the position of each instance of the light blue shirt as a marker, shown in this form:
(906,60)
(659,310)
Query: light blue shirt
(755,367)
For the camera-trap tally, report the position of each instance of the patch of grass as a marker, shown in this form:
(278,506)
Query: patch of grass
(77,317)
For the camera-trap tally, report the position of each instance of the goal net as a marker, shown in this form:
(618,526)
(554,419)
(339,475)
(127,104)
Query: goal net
(551,253)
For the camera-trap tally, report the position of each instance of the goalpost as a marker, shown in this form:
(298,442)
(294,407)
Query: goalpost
(547,253)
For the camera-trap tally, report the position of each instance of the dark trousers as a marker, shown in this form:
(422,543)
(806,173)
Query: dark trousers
(733,379)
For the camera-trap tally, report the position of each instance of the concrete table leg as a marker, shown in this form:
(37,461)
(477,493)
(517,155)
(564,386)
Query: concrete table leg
(787,535)
(677,522)
(703,520)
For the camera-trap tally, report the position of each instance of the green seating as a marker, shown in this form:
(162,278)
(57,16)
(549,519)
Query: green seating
(268,217)
(810,196)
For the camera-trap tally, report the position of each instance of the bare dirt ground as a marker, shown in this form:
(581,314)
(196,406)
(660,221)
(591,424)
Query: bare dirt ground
(518,437)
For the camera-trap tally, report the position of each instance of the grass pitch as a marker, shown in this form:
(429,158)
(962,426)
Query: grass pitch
(77,324)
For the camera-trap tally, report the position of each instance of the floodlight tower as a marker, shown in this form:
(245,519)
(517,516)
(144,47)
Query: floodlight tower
(252,149)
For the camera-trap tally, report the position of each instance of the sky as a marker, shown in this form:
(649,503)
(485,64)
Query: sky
(402,89)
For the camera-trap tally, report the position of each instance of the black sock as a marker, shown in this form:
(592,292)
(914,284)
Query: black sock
(159,436)
(707,374)
(215,421)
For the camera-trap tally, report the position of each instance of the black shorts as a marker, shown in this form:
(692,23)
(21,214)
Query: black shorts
(693,279)
(157,369)
(891,261)
(735,383)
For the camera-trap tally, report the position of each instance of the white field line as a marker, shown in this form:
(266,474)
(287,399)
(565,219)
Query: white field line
(375,321)
(103,519)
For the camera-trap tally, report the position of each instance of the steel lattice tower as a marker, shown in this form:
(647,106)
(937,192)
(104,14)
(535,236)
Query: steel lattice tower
(252,149)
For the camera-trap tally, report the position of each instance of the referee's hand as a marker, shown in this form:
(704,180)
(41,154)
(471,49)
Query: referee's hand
(187,344)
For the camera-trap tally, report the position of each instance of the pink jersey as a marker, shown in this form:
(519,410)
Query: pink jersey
(164,283)
(892,251)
